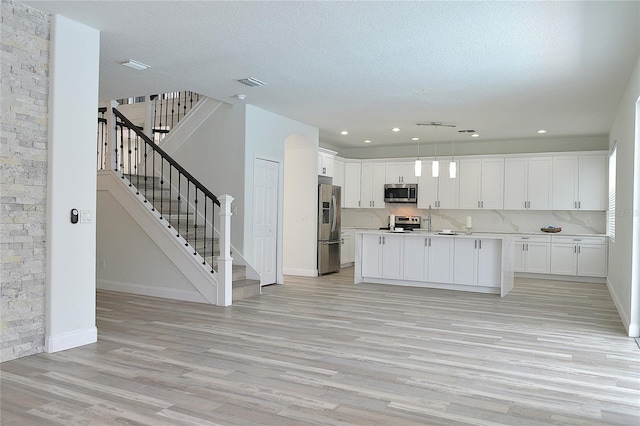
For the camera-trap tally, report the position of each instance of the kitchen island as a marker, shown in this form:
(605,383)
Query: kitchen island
(477,263)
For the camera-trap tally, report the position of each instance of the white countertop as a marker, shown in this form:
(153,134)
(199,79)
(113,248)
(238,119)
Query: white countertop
(463,233)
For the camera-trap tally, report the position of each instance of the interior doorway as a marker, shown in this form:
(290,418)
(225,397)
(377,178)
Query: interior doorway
(265,219)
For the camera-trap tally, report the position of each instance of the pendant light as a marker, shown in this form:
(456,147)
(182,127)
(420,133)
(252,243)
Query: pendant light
(453,169)
(435,166)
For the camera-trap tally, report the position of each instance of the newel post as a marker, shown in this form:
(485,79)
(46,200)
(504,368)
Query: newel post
(111,153)
(225,260)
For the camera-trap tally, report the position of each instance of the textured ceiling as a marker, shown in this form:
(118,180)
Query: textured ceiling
(505,69)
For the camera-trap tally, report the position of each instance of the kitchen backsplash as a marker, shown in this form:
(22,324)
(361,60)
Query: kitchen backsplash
(571,222)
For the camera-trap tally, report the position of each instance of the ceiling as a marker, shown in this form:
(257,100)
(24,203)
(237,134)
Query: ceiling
(504,69)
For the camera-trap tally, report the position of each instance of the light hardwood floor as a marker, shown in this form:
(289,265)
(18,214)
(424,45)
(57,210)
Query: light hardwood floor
(326,351)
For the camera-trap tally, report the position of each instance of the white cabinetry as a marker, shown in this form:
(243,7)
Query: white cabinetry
(481,183)
(428,259)
(401,172)
(325,162)
(338,173)
(579,256)
(351,189)
(440,192)
(477,262)
(347,249)
(579,182)
(532,253)
(382,256)
(372,185)
(527,183)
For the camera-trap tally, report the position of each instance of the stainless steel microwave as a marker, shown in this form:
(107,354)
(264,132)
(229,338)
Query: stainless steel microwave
(401,193)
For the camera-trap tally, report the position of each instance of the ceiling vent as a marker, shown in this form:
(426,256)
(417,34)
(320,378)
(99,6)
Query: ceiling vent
(252,82)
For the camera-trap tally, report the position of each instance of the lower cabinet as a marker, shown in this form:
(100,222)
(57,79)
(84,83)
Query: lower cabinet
(347,248)
(382,256)
(532,253)
(477,262)
(428,259)
(579,256)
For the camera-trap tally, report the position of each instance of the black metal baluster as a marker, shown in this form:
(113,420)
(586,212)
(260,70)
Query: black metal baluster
(161,187)
(179,201)
(173,104)
(166,110)
(129,157)
(153,180)
(170,192)
(136,160)
(213,234)
(187,215)
(144,178)
(204,248)
(195,222)
(119,158)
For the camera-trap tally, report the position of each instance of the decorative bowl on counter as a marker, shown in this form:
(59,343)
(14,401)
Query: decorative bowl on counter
(551,229)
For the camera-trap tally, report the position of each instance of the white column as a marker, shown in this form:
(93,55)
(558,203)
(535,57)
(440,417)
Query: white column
(225,260)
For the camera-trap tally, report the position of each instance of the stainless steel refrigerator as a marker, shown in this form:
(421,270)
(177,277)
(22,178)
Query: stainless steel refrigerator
(328,229)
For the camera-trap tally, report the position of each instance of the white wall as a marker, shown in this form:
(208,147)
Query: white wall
(300,190)
(266,134)
(214,154)
(624,253)
(128,260)
(71,248)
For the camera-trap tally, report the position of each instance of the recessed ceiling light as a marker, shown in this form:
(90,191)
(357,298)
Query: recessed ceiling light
(542,131)
(344,132)
(395,129)
(135,65)
(415,139)
(475,135)
(367,141)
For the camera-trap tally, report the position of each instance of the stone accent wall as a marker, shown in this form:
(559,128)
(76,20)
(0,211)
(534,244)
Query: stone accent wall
(24,58)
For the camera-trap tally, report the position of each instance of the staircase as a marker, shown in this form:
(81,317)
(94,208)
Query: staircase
(188,211)
(183,225)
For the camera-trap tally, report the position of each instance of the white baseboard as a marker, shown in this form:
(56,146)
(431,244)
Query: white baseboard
(147,290)
(633,329)
(300,272)
(71,339)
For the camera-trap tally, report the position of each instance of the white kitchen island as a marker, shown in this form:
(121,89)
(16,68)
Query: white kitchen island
(477,263)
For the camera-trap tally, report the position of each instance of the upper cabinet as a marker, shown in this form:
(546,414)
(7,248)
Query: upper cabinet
(579,182)
(351,188)
(325,162)
(481,183)
(527,183)
(439,192)
(372,186)
(401,172)
(338,172)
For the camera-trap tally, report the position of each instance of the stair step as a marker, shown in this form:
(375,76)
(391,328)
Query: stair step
(243,289)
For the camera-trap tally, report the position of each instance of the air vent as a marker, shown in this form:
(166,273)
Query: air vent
(252,82)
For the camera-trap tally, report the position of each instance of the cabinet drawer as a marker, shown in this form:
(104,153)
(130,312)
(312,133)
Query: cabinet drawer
(578,240)
(532,239)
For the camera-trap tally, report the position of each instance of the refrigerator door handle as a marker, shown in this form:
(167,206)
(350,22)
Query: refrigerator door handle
(331,242)
(334,204)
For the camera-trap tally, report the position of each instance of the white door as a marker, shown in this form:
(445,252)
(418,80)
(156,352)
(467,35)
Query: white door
(265,219)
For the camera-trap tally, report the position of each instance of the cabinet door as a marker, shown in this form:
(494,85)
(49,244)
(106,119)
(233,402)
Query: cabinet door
(325,164)
(470,177)
(440,260)
(465,261)
(519,248)
(538,258)
(392,256)
(515,184)
(565,180)
(448,189)
(492,183)
(415,252)
(489,262)
(563,258)
(408,172)
(539,187)
(350,246)
(371,256)
(377,187)
(338,173)
(427,188)
(351,190)
(592,182)
(592,260)
(393,173)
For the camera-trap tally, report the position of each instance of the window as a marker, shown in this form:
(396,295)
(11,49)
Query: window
(611,217)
